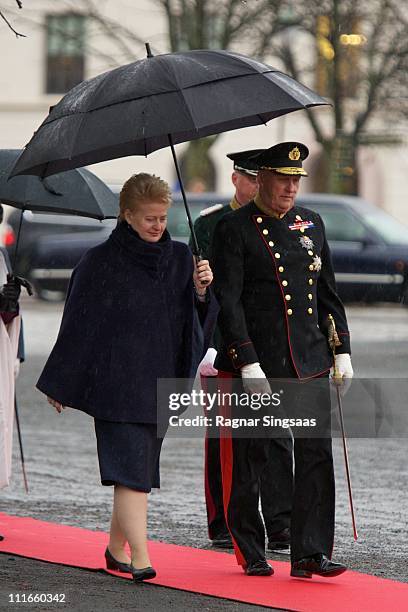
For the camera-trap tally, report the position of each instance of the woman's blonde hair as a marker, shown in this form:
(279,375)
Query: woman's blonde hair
(143,188)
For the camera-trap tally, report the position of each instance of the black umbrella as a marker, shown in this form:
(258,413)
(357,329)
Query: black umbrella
(77,192)
(160,101)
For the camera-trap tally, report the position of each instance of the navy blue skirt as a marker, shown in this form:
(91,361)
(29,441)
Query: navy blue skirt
(129,454)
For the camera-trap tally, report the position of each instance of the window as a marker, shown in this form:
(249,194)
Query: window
(339,44)
(65,51)
(392,231)
(177,218)
(343,226)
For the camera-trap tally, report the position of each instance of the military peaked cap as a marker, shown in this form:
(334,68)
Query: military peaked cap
(285,158)
(243,161)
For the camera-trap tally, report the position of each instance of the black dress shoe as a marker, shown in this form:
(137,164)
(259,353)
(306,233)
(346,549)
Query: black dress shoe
(117,566)
(259,568)
(222,540)
(279,541)
(146,573)
(317,564)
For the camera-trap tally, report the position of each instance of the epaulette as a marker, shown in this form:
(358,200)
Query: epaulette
(210,209)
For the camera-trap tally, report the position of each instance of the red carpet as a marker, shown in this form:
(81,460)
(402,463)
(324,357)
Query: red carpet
(207,572)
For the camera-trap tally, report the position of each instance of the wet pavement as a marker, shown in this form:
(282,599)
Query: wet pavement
(64,479)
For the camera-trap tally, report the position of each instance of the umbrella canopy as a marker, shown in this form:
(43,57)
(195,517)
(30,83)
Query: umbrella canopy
(161,100)
(77,192)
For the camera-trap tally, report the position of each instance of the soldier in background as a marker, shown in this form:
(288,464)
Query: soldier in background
(277,480)
(244,180)
(275,285)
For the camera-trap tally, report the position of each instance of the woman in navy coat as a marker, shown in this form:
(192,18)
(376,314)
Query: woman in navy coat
(137,311)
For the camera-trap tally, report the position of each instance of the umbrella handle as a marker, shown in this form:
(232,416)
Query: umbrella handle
(199,258)
(22,282)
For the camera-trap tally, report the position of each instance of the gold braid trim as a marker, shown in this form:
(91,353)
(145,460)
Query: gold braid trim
(235,204)
(294,171)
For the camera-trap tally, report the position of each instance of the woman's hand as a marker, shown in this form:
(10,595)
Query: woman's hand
(202,276)
(58,407)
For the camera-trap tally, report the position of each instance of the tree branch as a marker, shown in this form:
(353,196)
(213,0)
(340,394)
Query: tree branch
(172,23)
(226,33)
(18,34)
(288,58)
(114,29)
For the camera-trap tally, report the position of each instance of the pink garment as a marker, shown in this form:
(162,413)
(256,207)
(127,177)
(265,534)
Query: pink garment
(9,335)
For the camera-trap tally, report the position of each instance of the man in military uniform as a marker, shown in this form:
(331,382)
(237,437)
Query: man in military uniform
(244,180)
(275,284)
(275,489)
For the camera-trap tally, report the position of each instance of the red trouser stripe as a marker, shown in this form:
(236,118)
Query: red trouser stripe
(227,459)
(211,509)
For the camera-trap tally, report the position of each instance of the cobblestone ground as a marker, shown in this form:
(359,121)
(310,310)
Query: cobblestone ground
(64,480)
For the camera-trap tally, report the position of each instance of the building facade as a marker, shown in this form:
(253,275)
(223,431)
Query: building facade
(63,46)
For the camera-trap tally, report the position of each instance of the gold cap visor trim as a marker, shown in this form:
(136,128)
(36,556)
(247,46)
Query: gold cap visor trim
(289,170)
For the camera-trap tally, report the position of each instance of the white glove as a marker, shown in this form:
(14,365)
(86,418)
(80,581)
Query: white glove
(343,365)
(206,367)
(254,379)
(16,368)
(345,370)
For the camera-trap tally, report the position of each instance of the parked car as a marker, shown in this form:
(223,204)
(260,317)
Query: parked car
(369,247)
(51,244)
(36,226)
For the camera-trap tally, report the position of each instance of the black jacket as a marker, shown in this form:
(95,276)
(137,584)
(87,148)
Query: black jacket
(21,348)
(204,228)
(273,307)
(130,319)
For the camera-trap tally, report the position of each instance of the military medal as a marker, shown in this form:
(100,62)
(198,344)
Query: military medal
(306,242)
(317,263)
(301,225)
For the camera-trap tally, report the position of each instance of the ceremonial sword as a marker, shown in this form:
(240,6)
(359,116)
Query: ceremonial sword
(338,381)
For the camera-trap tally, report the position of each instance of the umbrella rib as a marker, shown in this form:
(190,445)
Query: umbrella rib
(181,91)
(105,75)
(131,99)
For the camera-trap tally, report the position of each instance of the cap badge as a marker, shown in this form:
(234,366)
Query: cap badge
(294,154)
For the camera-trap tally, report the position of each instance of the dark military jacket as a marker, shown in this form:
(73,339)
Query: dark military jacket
(274,280)
(204,227)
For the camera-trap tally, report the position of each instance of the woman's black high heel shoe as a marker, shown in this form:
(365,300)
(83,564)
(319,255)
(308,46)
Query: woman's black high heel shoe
(117,566)
(146,573)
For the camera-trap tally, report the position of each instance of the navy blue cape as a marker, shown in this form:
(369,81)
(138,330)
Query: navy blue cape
(130,318)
